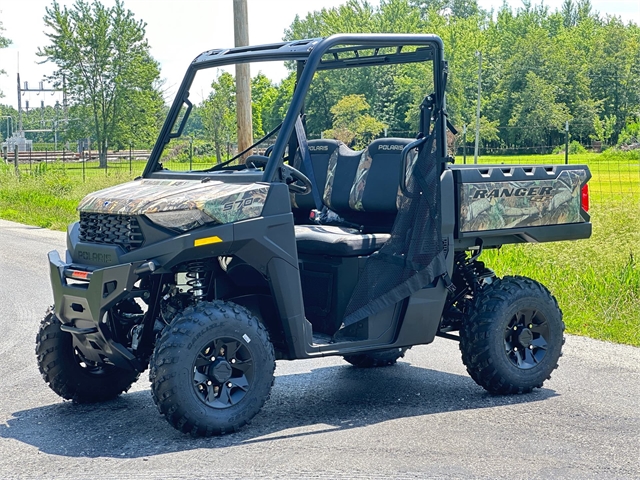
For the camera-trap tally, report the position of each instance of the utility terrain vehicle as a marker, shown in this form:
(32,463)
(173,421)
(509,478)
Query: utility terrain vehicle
(209,274)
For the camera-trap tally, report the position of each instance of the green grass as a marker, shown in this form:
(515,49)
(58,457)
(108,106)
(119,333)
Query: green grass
(596,281)
(48,197)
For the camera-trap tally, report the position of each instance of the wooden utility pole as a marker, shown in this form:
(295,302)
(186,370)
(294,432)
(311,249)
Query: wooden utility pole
(475,150)
(243,77)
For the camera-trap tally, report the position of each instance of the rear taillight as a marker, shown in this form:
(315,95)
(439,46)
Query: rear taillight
(585,197)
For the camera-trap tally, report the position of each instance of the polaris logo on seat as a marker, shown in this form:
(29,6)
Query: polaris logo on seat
(513,192)
(390,147)
(319,148)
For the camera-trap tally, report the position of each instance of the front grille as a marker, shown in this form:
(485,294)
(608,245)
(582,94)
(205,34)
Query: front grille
(122,230)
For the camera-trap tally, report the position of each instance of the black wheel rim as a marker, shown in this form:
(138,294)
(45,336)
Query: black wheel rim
(223,372)
(526,337)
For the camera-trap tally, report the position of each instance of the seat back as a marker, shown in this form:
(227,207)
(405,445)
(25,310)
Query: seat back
(365,189)
(320,151)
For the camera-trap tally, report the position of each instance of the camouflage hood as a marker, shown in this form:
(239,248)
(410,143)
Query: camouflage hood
(225,202)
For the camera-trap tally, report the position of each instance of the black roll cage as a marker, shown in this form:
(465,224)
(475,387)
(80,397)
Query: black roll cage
(343,51)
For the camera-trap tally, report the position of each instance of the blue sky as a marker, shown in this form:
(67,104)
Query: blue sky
(178,31)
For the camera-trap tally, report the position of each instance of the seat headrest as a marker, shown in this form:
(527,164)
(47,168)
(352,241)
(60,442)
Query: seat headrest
(323,145)
(388,145)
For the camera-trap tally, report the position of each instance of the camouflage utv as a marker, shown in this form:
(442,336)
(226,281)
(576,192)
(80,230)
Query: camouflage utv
(207,273)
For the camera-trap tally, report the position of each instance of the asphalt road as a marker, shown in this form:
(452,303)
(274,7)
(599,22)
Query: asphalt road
(424,418)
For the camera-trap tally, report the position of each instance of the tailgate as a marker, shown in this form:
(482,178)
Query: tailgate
(524,203)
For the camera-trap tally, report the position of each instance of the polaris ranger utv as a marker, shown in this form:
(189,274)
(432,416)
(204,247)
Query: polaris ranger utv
(208,275)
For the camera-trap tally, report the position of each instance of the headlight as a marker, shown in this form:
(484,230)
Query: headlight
(182,220)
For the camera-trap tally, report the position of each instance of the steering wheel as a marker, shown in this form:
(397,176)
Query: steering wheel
(297,181)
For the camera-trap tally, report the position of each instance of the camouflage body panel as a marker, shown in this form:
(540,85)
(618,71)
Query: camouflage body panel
(357,190)
(504,205)
(331,173)
(224,202)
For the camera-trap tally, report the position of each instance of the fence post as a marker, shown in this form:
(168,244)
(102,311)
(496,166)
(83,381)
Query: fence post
(566,142)
(30,161)
(84,161)
(64,155)
(190,153)
(46,157)
(15,159)
(130,147)
(464,143)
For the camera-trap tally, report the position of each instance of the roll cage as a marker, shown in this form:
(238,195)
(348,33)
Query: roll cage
(311,55)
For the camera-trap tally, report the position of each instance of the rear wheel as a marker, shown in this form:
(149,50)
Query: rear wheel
(69,374)
(513,338)
(212,369)
(379,358)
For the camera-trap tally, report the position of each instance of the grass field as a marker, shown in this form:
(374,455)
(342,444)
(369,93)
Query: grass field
(596,281)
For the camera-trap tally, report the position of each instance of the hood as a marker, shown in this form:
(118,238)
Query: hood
(225,202)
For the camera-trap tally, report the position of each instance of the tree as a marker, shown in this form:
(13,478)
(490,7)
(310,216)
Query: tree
(535,118)
(103,59)
(218,112)
(351,123)
(604,128)
(263,96)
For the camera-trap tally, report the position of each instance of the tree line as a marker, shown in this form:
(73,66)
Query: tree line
(540,69)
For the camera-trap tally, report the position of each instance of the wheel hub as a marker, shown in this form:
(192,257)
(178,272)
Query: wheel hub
(525,337)
(220,370)
(223,372)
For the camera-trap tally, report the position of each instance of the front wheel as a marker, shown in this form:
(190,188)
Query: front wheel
(212,369)
(72,376)
(513,338)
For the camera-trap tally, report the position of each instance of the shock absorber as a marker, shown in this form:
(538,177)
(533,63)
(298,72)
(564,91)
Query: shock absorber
(198,279)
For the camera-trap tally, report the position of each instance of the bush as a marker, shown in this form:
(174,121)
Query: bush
(630,134)
(574,148)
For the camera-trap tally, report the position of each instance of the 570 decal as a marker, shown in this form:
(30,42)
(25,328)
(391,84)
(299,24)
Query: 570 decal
(237,204)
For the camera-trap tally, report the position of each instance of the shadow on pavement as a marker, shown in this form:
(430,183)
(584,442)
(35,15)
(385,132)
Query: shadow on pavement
(327,399)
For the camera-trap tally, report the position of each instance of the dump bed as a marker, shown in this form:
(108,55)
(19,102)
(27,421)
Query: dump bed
(502,204)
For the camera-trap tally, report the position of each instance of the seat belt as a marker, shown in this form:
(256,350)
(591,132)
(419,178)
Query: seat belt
(306,161)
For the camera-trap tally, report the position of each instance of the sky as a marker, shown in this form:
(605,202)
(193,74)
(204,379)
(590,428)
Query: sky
(179,30)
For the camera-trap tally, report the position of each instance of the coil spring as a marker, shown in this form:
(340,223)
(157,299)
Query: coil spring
(197,276)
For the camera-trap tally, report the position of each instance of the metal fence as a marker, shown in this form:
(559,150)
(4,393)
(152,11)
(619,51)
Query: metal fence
(613,176)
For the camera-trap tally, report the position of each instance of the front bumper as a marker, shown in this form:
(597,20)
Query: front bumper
(82,308)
